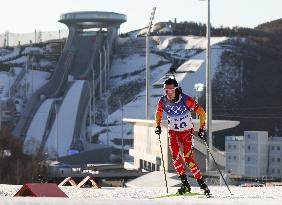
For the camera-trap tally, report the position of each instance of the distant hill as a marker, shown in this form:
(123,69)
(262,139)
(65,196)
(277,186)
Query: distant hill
(272,26)
(247,85)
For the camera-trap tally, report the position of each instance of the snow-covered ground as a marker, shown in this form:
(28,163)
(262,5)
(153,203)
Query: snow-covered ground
(128,196)
(62,131)
(10,55)
(35,79)
(37,128)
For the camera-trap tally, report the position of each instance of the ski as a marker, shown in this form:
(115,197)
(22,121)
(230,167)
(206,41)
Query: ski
(186,194)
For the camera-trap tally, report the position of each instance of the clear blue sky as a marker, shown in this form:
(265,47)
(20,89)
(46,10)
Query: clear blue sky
(27,15)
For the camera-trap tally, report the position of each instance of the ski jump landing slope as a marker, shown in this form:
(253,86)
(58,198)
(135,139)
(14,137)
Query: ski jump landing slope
(37,127)
(63,128)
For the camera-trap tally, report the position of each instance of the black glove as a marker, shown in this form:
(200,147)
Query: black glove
(158,130)
(201,133)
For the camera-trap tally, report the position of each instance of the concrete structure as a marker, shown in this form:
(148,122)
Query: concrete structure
(86,56)
(146,151)
(235,154)
(92,19)
(254,154)
(275,157)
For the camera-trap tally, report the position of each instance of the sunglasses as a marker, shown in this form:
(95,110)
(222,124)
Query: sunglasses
(169,90)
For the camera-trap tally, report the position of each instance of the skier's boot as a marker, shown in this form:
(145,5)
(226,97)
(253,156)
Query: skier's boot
(204,186)
(185,186)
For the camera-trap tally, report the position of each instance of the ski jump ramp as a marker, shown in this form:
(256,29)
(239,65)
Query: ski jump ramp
(62,134)
(80,59)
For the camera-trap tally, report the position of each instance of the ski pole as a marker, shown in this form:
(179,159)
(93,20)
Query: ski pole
(217,166)
(163,162)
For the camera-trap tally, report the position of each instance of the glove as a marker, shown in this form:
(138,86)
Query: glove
(158,130)
(201,133)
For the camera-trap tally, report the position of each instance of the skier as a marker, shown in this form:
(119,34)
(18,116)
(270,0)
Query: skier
(178,106)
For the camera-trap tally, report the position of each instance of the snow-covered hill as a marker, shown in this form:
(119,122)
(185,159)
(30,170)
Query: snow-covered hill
(128,69)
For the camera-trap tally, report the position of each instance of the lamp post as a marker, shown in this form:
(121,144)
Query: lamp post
(208,87)
(122,144)
(148,65)
(93,94)
(0,114)
(90,113)
(100,75)
(9,79)
(57,131)
(105,67)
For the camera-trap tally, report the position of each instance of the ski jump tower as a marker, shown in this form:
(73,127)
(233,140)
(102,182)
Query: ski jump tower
(86,56)
(104,26)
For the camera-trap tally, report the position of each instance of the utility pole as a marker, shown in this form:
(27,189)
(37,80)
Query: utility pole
(100,74)
(148,64)
(108,67)
(57,131)
(0,114)
(34,36)
(122,144)
(90,112)
(93,95)
(208,88)
(107,109)
(105,68)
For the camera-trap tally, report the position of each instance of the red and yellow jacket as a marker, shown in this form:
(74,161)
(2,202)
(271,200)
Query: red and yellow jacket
(179,117)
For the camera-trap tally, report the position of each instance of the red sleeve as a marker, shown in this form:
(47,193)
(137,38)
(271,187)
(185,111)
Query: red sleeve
(159,112)
(193,105)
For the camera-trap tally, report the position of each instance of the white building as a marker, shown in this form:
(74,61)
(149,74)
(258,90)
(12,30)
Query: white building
(235,154)
(254,154)
(275,157)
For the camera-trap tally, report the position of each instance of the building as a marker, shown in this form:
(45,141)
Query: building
(235,154)
(254,154)
(275,157)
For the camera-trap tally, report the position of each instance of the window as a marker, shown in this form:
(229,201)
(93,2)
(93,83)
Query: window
(249,147)
(234,146)
(278,171)
(278,147)
(249,159)
(249,136)
(234,157)
(149,166)
(229,157)
(272,171)
(273,159)
(229,146)
(278,159)
(272,147)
